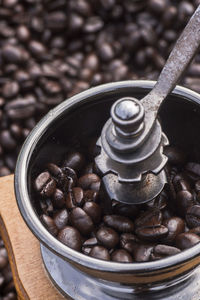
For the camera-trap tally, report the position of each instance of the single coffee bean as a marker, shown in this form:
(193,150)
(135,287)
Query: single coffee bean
(50,224)
(61,219)
(45,185)
(74,160)
(58,199)
(71,237)
(80,219)
(70,201)
(89,181)
(153,233)
(175,226)
(100,252)
(10,89)
(193,216)
(142,252)
(20,108)
(119,223)
(151,217)
(90,242)
(12,54)
(93,210)
(184,200)
(7,141)
(90,195)
(108,237)
(122,256)
(78,196)
(164,250)
(186,240)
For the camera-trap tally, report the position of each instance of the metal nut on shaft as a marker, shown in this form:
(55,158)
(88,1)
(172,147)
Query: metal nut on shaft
(131,165)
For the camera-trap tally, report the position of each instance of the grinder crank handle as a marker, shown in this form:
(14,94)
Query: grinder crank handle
(180,57)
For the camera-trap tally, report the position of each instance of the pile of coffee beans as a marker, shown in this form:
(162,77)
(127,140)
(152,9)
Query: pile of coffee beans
(73,209)
(51,50)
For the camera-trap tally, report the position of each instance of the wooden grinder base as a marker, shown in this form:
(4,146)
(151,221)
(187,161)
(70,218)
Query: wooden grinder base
(30,278)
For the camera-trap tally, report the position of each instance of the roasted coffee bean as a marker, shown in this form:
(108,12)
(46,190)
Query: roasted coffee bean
(71,237)
(93,210)
(122,256)
(90,242)
(175,156)
(90,195)
(108,237)
(81,220)
(78,196)
(50,224)
(46,206)
(184,200)
(7,141)
(74,160)
(161,251)
(70,201)
(58,199)
(142,252)
(151,217)
(61,219)
(119,223)
(129,242)
(45,185)
(187,240)
(89,181)
(100,252)
(10,89)
(20,108)
(175,226)
(12,54)
(193,216)
(154,233)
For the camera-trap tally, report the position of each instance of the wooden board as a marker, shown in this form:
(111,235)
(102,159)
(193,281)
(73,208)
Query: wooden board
(30,277)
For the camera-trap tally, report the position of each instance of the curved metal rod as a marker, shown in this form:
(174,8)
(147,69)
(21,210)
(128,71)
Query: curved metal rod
(180,57)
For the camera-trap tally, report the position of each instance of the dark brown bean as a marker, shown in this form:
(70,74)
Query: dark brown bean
(119,223)
(154,233)
(142,252)
(108,237)
(45,185)
(7,141)
(175,226)
(100,252)
(187,240)
(93,210)
(122,256)
(50,224)
(71,237)
(151,217)
(81,221)
(184,200)
(74,160)
(78,196)
(89,181)
(61,219)
(161,251)
(58,199)
(193,216)
(20,108)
